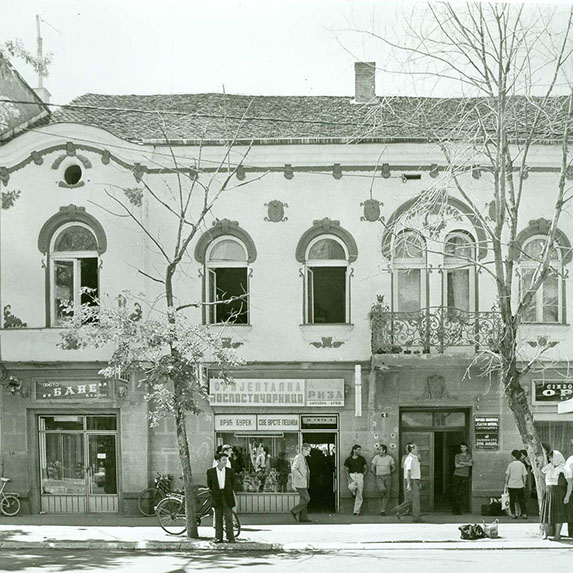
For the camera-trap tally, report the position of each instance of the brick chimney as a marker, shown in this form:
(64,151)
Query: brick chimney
(364,82)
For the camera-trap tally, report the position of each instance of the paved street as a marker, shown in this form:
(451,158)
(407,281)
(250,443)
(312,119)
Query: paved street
(418,561)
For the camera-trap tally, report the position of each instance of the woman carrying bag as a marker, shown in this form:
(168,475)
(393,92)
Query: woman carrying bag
(556,499)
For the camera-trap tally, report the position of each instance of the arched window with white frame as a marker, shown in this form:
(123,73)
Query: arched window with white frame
(227,271)
(459,290)
(74,269)
(408,272)
(547,304)
(327,281)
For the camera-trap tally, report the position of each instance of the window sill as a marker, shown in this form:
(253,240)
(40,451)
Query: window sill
(232,325)
(337,331)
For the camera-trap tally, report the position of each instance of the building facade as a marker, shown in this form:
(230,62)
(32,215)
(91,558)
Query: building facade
(354,330)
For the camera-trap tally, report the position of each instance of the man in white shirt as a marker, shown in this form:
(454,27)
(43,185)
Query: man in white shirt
(412,475)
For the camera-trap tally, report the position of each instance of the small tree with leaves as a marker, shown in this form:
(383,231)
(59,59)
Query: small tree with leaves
(164,344)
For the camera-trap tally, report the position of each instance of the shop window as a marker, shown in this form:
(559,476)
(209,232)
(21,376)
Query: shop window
(547,304)
(327,285)
(227,282)
(409,272)
(262,463)
(557,434)
(74,264)
(459,272)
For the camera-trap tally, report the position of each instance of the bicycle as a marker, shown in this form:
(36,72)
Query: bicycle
(150,497)
(171,512)
(9,502)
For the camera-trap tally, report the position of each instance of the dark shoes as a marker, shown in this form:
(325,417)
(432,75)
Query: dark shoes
(218,541)
(305,520)
(293,515)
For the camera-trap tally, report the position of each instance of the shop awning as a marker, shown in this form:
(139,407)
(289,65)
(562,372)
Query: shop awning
(565,407)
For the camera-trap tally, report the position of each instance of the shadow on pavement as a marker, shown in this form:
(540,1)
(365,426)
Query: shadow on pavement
(68,560)
(9,535)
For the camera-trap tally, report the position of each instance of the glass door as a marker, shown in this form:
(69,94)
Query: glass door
(78,464)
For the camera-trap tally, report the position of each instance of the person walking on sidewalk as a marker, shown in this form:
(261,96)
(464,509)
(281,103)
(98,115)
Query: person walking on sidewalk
(569,467)
(300,482)
(515,480)
(356,467)
(412,475)
(461,479)
(558,483)
(220,482)
(383,467)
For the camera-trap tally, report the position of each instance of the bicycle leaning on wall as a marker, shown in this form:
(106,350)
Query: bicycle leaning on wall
(150,497)
(9,502)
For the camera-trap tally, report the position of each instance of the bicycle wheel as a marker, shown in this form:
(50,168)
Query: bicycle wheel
(236,524)
(171,515)
(148,500)
(10,505)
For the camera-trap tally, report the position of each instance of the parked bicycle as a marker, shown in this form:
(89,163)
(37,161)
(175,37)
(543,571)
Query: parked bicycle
(150,497)
(170,511)
(9,502)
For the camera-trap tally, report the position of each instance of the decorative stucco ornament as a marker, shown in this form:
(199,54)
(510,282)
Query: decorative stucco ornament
(276,211)
(371,210)
(435,389)
(327,342)
(12,321)
(228,343)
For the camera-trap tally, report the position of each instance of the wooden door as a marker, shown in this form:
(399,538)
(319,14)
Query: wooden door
(425,442)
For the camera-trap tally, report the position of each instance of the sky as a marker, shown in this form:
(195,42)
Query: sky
(255,47)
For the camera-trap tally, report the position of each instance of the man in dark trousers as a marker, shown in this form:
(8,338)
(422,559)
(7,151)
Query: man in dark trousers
(220,480)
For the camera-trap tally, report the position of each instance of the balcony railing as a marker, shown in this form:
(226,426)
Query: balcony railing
(432,329)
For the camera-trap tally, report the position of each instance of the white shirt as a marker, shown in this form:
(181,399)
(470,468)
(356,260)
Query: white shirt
(227,465)
(221,477)
(413,464)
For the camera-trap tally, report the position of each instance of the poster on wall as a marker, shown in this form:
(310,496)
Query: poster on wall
(486,431)
(552,391)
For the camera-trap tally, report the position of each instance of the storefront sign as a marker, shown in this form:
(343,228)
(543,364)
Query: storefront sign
(72,390)
(486,430)
(225,422)
(246,392)
(325,392)
(277,422)
(319,422)
(551,391)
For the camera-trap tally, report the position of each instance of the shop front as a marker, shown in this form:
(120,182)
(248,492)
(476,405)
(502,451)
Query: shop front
(269,422)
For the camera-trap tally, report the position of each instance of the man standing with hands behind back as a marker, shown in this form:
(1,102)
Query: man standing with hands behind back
(383,466)
(412,476)
(220,480)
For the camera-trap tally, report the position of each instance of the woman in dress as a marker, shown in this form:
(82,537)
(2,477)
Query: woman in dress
(558,483)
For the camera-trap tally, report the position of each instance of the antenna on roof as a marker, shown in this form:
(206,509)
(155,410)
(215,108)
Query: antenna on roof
(41,91)
(39,51)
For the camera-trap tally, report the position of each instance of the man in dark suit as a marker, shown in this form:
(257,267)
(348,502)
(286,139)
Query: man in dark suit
(220,480)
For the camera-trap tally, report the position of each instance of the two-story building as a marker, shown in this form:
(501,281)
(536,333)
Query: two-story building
(360,326)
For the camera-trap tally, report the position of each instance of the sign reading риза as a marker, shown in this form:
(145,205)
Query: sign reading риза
(277,392)
(71,390)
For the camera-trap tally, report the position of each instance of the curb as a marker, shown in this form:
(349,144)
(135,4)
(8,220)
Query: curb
(251,546)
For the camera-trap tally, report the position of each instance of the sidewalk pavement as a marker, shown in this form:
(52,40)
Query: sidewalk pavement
(267,533)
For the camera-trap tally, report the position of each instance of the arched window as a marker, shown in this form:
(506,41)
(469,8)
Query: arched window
(226,264)
(459,271)
(74,269)
(327,281)
(548,301)
(408,271)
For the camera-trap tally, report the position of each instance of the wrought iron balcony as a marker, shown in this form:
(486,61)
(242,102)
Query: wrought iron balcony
(432,329)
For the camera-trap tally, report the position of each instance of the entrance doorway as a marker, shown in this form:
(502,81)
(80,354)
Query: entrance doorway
(437,433)
(78,464)
(323,471)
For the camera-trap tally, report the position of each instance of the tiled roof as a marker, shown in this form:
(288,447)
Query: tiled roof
(218,116)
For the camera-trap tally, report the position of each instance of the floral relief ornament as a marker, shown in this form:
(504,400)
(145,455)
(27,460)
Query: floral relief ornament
(372,210)
(327,342)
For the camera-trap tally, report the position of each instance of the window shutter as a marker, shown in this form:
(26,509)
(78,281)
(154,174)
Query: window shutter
(309,296)
(212,295)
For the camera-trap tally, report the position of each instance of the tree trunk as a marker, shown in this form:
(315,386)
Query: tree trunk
(517,400)
(184,458)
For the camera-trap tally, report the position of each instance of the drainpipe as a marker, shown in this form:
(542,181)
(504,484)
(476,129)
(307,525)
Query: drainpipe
(358,391)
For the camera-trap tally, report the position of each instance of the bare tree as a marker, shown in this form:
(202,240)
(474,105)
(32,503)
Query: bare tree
(508,63)
(164,344)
